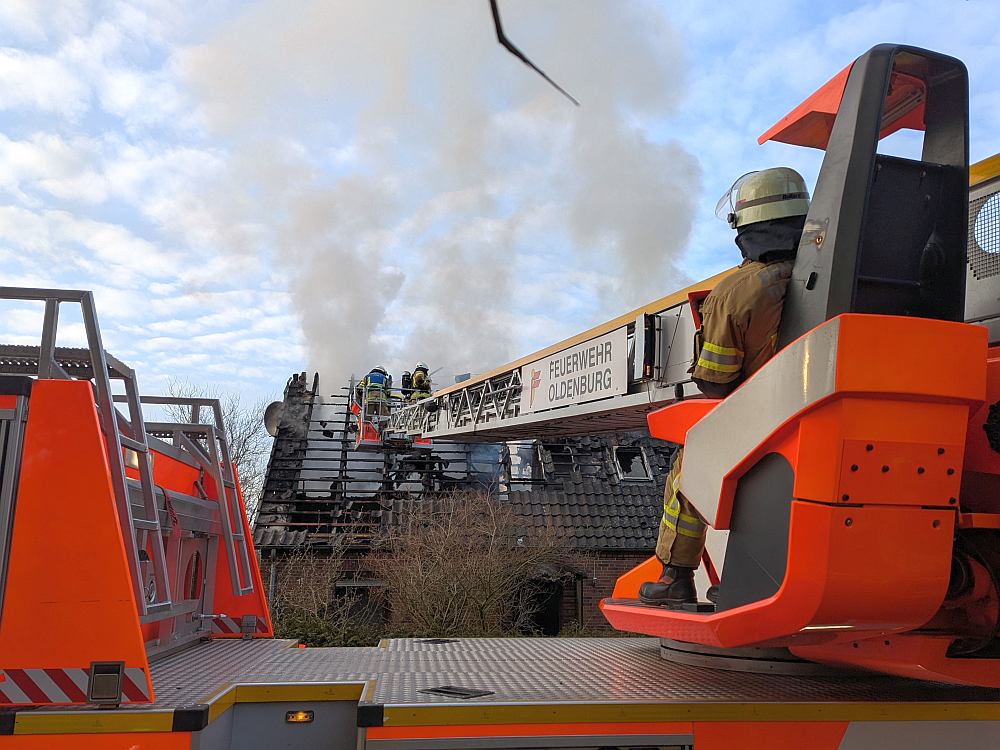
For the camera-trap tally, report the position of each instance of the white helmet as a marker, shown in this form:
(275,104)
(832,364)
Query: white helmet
(775,193)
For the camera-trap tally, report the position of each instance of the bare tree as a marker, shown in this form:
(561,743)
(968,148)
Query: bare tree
(249,443)
(463,565)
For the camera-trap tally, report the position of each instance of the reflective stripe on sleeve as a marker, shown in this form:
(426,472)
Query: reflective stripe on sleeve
(708,346)
(673,511)
(719,358)
(709,365)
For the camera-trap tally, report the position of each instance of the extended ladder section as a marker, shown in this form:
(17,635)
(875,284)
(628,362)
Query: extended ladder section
(604,380)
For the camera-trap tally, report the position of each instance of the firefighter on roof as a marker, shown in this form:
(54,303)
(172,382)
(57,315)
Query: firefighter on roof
(420,382)
(738,335)
(372,393)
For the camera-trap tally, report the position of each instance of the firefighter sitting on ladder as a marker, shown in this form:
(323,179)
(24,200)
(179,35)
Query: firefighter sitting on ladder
(420,382)
(738,335)
(372,393)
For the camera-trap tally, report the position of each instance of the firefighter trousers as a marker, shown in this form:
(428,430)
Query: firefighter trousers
(681,540)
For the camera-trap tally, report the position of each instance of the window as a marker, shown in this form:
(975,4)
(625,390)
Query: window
(522,456)
(631,463)
(556,461)
(562,460)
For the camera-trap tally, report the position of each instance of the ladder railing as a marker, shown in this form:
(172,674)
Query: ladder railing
(142,534)
(207,444)
(488,401)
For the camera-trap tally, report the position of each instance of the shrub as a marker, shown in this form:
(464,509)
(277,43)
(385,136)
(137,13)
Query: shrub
(463,565)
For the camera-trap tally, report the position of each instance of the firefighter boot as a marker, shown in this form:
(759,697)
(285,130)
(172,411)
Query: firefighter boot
(674,587)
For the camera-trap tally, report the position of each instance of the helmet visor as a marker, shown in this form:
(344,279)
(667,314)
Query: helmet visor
(727,203)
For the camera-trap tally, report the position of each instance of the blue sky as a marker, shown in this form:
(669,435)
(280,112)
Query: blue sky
(253,189)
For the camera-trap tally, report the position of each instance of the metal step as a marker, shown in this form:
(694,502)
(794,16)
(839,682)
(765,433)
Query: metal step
(133,444)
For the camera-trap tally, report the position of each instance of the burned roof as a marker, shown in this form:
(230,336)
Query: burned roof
(601,493)
(595,504)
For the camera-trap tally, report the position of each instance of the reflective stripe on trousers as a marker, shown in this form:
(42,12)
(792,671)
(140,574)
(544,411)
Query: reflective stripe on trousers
(682,531)
(683,523)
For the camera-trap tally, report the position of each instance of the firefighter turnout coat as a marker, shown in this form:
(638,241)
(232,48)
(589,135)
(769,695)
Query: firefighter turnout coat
(739,333)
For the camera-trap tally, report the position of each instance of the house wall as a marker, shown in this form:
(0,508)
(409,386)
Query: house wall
(600,571)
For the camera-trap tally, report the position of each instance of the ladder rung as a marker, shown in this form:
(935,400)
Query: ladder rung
(133,444)
(142,523)
(230,485)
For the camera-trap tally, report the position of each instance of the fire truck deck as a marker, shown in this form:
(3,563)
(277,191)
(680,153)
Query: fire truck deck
(543,684)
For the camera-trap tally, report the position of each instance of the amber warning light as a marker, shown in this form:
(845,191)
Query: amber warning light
(298,717)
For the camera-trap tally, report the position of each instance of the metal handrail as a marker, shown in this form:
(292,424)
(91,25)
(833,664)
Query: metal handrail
(217,462)
(137,534)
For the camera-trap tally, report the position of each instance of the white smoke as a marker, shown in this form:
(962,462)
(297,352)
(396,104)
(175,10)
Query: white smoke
(402,170)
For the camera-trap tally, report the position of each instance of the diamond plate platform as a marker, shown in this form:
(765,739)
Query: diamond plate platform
(520,670)
(621,682)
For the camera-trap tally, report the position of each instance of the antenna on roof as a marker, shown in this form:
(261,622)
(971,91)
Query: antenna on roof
(510,47)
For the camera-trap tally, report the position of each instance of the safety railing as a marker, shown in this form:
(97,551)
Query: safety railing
(207,444)
(141,534)
(490,400)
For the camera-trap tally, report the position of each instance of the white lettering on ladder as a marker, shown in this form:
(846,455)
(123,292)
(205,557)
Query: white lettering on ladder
(592,356)
(592,370)
(584,385)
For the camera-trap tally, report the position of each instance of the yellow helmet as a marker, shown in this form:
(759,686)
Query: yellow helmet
(775,193)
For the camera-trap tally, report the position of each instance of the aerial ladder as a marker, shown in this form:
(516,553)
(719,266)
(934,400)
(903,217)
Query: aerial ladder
(132,612)
(855,475)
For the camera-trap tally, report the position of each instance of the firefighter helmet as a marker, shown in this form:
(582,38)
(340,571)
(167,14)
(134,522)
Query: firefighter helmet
(421,366)
(767,194)
(381,369)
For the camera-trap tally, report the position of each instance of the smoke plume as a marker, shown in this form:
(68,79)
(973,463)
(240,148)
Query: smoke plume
(428,197)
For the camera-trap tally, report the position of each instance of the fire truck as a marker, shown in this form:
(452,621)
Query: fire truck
(851,486)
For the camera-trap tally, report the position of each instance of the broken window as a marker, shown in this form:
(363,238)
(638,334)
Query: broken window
(522,457)
(555,461)
(631,462)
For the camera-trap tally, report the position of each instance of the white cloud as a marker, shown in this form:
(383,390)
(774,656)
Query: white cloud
(749,74)
(69,240)
(47,162)
(36,21)
(39,82)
